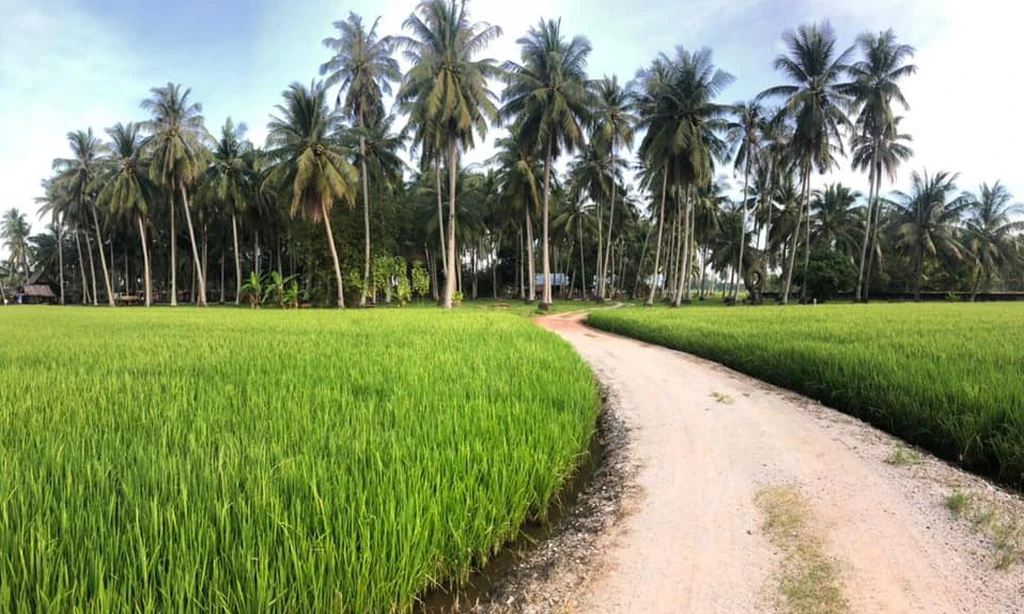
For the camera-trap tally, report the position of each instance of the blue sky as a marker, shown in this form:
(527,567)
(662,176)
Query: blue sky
(70,64)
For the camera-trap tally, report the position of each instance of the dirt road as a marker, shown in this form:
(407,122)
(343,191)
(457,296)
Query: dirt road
(707,440)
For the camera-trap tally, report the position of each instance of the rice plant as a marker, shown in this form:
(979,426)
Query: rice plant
(946,377)
(272,461)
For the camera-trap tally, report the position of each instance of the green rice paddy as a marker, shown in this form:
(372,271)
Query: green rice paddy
(947,377)
(272,461)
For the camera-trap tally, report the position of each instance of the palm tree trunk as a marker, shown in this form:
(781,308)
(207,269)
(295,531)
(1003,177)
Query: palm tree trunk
(918,272)
(223,276)
(60,259)
(583,262)
(680,258)
(366,215)
(640,263)
(494,268)
(205,274)
(531,261)
(440,211)
(807,246)
(661,225)
(81,266)
(867,228)
(92,270)
(599,281)
(453,268)
(691,242)
(145,261)
(238,258)
(201,302)
(611,211)
(873,245)
(432,264)
(520,263)
(796,242)
(334,256)
(546,257)
(174,251)
(103,257)
(743,228)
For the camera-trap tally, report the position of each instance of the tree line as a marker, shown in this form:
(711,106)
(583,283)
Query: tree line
(328,200)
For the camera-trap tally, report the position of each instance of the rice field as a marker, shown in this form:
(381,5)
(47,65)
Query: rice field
(272,461)
(947,377)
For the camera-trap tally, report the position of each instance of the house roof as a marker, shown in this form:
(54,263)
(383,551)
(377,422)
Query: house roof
(39,290)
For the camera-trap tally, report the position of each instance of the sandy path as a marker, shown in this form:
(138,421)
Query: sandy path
(692,541)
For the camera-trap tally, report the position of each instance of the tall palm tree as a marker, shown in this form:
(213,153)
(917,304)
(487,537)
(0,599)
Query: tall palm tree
(14,231)
(837,220)
(875,86)
(927,219)
(547,96)
(684,132)
(176,145)
(127,188)
(308,160)
(79,174)
(50,203)
(594,173)
(518,172)
(614,121)
(881,155)
(817,103)
(363,68)
(745,132)
(991,229)
(231,181)
(445,92)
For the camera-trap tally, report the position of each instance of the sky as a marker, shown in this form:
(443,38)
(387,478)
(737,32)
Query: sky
(73,64)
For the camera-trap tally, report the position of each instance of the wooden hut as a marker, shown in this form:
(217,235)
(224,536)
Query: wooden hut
(39,290)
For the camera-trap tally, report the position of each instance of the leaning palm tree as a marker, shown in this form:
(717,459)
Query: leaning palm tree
(548,98)
(614,121)
(927,219)
(445,93)
(302,138)
(817,103)
(745,133)
(79,174)
(231,181)
(363,68)
(874,88)
(992,224)
(127,189)
(176,146)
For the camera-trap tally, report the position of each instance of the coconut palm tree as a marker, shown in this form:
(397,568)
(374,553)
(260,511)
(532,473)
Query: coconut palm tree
(837,220)
(78,174)
(875,87)
(518,172)
(684,131)
(231,181)
(614,121)
(745,132)
(50,203)
(175,144)
(594,174)
(884,153)
(363,69)
(816,103)
(927,221)
(303,144)
(445,93)
(15,231)
(547,96)
(127,188)
(991,230)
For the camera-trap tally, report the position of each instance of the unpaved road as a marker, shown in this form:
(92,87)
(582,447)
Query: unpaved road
(705,440)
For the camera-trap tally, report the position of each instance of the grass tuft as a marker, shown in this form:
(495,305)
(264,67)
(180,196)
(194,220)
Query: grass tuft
(902,456)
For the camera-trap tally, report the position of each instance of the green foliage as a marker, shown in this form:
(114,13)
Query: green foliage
(420,280)
(944,377)
(829,273)
(243,461)
(255,290)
